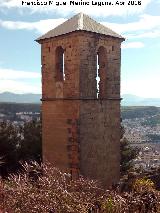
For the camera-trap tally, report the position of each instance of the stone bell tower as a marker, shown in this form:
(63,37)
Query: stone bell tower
(81,62)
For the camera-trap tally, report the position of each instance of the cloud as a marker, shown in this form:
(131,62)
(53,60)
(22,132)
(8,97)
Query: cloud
(140,87)
(41,26)
(19,87)
(132,45)
(147,26)
(146,22)
(63,10)
(10,74)
(19,81)
(132,30)
(150,34)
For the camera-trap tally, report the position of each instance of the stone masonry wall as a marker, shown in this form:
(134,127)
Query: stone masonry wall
(100,119)
(70,87)
(60,115)
(81,133)
(60,134)
(99,137)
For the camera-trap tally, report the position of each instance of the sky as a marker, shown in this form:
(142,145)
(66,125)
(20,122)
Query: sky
(21,24)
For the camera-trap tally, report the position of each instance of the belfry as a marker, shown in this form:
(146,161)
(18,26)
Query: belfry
(81,62)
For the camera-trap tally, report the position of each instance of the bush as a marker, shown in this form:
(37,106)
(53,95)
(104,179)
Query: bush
(128,154)
(19,143)
(143,184)
(9,143)
(51,191)
(46,189)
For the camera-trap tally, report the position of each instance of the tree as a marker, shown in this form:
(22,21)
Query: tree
(31,142)
(9,143)
(19,143)
(128,154)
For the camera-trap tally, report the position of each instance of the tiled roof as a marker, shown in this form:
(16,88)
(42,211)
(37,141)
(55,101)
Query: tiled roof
(77,23)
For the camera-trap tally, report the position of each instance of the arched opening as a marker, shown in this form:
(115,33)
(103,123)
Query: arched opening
(60,73)
(97,76)
(101,71)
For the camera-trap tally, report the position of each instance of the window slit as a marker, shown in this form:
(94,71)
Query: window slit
(97,77)
(60,66)
(63,67)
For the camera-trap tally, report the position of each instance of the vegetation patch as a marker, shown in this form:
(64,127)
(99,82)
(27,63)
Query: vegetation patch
(46,189)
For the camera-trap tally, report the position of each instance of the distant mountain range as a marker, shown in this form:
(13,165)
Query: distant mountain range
(133,100)
(20,98)
(128,99)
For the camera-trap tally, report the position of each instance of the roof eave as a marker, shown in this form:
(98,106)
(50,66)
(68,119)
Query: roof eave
(40,39)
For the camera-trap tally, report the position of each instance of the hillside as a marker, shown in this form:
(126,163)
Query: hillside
(131,112)
(152,114)
(12,108)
